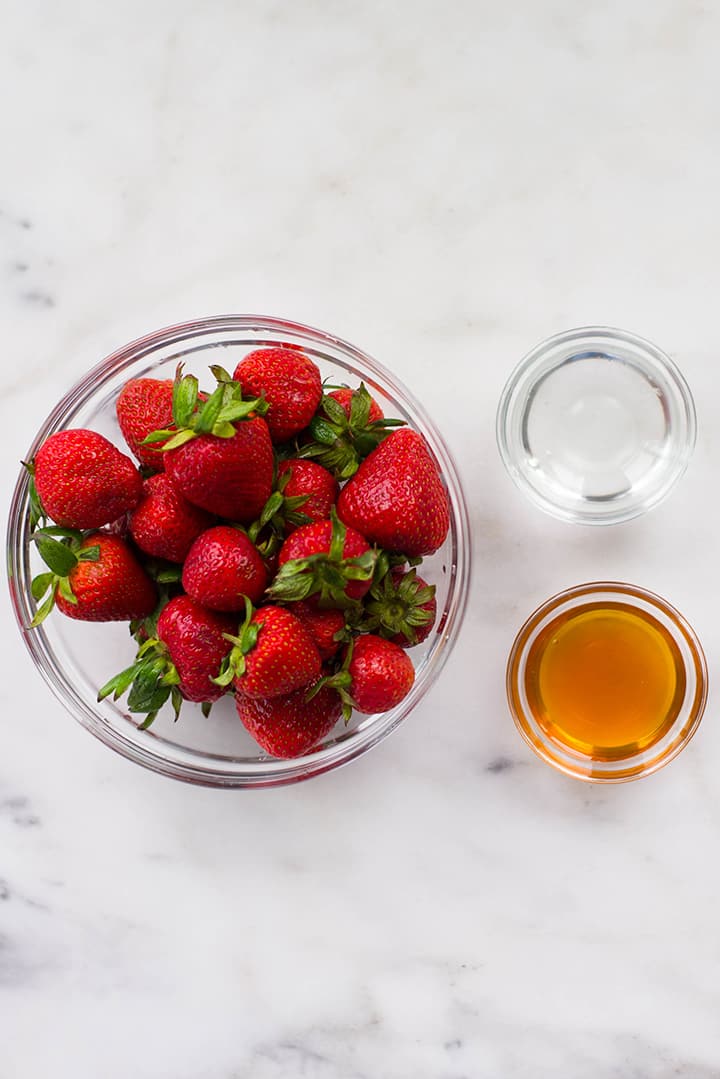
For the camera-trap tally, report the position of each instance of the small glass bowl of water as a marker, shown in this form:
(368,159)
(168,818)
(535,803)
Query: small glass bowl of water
(596,425)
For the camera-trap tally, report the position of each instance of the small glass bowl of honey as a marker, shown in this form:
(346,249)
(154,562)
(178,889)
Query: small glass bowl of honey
(607,682)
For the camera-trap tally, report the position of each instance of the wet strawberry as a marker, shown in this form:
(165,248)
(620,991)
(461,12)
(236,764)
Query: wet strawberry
(273,655)
(143,405)
(83,481)
(397,499)
(222,567)
(289,726)
(289,382)
(95,578)
(165,524)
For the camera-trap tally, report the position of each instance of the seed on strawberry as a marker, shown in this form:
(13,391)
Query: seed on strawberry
(325,559)
(397,499)
(314,484)
(83,481)
(180,662)
(219,455)
(273,654)
(222,567)
(289,382)
(144,405)
(325,626)
(289,726)
(95,578)
(165,524)
(401,607)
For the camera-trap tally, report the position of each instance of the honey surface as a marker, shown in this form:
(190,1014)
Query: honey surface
(605,681)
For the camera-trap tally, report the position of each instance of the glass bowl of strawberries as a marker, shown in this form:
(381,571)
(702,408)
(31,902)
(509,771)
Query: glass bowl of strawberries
(273,534)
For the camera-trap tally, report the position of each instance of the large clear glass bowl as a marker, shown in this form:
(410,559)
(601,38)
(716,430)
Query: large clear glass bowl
(76,658)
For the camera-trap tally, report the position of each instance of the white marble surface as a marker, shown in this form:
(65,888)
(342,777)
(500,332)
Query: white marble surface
(444,185)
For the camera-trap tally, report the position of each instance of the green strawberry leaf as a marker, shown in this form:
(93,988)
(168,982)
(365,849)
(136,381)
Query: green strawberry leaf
(179,438)
(185,399)
(220,373)
(160,435)
(223,429)
(206,708)
(37,511)
(89,554)
(65,590)
(334,411)
(58,556)
(321,430)
(360,405)
(43,610)
(40,585)
(208,414)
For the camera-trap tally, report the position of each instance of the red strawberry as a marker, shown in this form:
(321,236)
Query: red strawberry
(230,477)
(289,382)
(95,579)
(273,655)
(143,405)
(165,524)
(289,726)
(196,646)
(396,498)
(84,481)
(345,397)
(348,425)
(322,625)
(381,674)
(181,662)
(325,558)
(312,482)
(401,607)
(218,454)
(222,567)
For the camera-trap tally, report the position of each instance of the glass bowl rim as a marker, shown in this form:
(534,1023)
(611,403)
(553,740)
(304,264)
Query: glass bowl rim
(512,409)
(270,772)
(583,593)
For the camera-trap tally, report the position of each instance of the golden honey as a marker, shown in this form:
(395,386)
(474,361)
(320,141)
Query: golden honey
(605,680)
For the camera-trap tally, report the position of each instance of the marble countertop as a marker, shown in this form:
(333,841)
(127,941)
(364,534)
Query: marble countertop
(444,185)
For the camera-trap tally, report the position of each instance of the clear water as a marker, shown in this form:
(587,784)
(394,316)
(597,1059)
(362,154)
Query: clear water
(595,428)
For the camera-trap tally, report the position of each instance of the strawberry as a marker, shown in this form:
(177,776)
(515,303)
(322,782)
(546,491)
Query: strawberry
(375,676)
(143,405)
(273,654)
(179,662)
(314,484)
(289,382)
(401,607)
(324,558)
(83,481)
(222,567)
(95,578)
(289,726)
(326,627)
(348,425)
(219,456)
(397,499)
(196,644)
(165,524)
(345,397)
